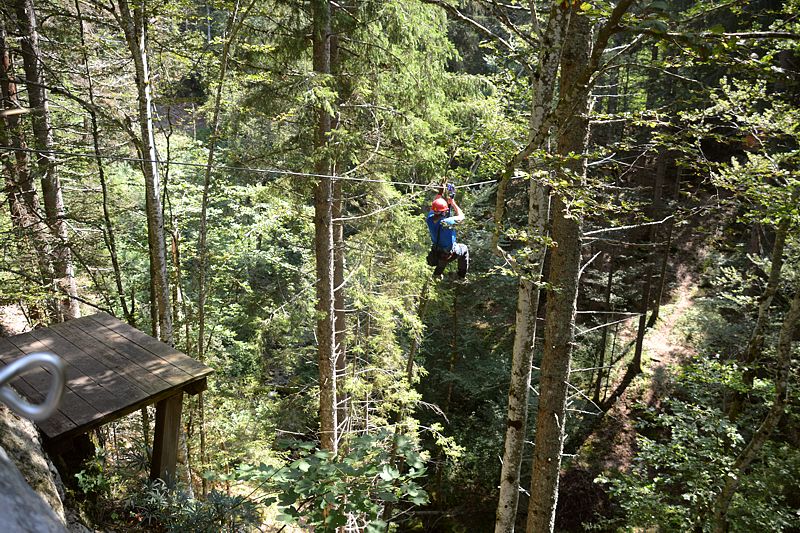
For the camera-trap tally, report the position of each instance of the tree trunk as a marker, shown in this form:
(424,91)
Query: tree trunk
(657,208)
(23,199)
(202,246)
(323,237)
(756,342)
(543,84)
(662,276)
(51,186)
(522,361)
(604,338)
(788,332)
(340,320)
(134,26)
(561,298)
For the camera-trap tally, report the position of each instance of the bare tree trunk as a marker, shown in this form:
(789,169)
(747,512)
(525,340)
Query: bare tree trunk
(46,166)
(20,188)
(543,84)
(134,26)
(340,321)
(788,332)
(323,237)
(543,87)
(202,248)
(522,361)
(604,338)
(662,276)
(561,298)
(658,210)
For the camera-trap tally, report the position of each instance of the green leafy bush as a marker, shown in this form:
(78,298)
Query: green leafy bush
(325,491)
(686,450)
(156,505)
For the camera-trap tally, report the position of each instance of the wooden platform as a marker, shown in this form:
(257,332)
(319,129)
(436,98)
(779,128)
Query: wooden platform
(112,370)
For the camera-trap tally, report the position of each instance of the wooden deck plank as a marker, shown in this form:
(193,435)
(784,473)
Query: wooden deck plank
(132,352)
(33,385)
(112,370)
(141,377)
(109,379)
(116,415)
(82,395)
(162,350)
(57,424)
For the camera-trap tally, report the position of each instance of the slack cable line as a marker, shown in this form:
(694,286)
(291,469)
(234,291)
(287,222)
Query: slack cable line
(585,331)
(272,171)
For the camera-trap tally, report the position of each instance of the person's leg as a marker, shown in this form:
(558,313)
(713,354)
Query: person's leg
(439,270)
(462,252)
(444,260)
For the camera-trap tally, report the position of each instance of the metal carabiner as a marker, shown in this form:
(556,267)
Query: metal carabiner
(19,405)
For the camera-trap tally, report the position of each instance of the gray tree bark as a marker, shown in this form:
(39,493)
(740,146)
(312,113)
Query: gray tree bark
(561,298)
(45,161)
(23,198)
(340,316)
(108,234)
(134,26)
(543,84)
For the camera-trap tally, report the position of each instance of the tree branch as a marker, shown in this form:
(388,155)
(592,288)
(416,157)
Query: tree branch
(497,9)
(457,14)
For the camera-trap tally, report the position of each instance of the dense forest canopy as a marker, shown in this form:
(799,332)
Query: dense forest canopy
(249,181)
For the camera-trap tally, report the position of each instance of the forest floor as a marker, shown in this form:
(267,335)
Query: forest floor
(12,320)
(614,445)
(664,346)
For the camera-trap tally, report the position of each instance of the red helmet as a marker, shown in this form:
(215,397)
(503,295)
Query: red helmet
(439,205)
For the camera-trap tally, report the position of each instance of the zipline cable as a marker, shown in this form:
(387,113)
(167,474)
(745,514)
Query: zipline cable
(273,171)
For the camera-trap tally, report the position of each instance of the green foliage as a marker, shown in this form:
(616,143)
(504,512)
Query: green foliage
(686,450)
(156,505)
(90,483)
(323,491)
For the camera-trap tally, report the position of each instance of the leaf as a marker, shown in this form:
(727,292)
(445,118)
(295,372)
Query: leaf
(301,464)
(420,499)
(659,26)
(387,496)
(388,473)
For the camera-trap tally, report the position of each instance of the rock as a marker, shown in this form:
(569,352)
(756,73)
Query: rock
(22,509)
(20,439)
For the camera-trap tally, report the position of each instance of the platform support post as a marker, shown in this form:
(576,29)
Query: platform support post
(165,442)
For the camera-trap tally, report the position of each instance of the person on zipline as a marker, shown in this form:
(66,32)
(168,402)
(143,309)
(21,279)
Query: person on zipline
(443,235)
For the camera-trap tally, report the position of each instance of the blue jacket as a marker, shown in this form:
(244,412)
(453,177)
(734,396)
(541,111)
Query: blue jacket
(447,233)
